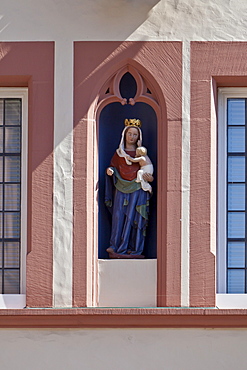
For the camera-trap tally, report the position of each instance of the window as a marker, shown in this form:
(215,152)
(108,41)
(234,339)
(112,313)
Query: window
(232,192)
(13,196)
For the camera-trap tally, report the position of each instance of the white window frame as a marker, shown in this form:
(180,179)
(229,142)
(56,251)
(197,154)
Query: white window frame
(223,299)
(19,300)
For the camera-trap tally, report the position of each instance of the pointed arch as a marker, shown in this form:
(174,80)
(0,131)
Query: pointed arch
(155,99)
(148,90)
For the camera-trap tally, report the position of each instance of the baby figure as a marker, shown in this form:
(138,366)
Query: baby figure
(146,167)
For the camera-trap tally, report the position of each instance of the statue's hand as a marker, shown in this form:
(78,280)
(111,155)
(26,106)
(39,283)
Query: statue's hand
(148,177)
(109,171)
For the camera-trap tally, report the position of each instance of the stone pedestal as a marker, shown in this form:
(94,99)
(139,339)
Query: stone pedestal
(127,283)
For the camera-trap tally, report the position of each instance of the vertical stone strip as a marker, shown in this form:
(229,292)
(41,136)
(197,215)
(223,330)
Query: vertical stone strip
(213,165)
(185,207)
(203,167)
(63,179)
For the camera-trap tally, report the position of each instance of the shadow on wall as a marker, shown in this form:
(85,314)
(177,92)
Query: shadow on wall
(118,19)
(125,15)
(86,19)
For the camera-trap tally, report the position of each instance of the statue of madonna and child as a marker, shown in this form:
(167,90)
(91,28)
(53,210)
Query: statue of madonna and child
(128,192)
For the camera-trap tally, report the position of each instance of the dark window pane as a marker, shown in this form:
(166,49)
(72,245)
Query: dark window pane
(11,255)
(12,225)
(1,169)
(1,290)
(12,140)
(236,254)
(12,112)
(11,281)
(1,139)
(1,111)
(236,112)
(12,197)
(236,197)
(1,197)
(236,225)
(12,169)
(236,169)
(236,139)
(236,281)
(1,225)
(1,256)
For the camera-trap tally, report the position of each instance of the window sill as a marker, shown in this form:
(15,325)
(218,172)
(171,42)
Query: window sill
(231,301)
(12,301)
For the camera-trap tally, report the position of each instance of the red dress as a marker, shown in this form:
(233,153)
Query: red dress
(127,172)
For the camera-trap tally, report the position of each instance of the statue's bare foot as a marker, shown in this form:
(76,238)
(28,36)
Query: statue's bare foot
(110,250)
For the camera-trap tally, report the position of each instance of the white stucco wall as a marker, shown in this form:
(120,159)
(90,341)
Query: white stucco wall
(132,349)
(123,19)
(66,21)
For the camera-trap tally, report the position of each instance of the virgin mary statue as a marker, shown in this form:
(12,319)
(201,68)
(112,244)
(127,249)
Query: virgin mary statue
(125,198)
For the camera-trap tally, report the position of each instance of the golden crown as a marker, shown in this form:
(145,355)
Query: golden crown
(132,122)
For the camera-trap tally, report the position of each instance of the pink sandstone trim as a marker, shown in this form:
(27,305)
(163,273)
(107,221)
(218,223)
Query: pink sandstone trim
(91,71)
(224,64)
(35,70)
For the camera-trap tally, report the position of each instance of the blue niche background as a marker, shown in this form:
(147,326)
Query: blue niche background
(111,125)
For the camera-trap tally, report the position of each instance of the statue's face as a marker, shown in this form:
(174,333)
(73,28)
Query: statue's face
(132,135)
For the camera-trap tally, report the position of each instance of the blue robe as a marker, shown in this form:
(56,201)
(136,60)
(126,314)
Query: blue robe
(129,205)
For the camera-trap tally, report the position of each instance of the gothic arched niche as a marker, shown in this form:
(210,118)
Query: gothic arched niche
(128,98)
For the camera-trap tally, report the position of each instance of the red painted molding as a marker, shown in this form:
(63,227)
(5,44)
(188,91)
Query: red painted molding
(123,318)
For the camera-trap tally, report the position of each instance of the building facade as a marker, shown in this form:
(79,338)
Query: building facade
(70,72)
